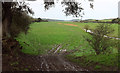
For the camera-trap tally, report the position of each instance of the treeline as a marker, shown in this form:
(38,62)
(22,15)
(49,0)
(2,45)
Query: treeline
(39,20)
(116,20)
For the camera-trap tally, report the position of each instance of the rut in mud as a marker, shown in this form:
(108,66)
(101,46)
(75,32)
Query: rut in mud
(49,62)
(53,61)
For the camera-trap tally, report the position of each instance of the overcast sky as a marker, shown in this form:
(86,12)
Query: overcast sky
(103,9)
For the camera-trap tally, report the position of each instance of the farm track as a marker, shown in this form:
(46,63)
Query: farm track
(52,63)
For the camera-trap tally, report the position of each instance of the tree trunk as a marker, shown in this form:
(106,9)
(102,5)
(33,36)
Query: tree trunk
(6,26)
(7,19)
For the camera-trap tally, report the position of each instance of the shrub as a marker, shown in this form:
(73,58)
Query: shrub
(86,27)
(98,42)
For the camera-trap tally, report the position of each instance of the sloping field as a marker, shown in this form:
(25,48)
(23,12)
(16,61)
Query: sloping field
(67,38)
(44,36)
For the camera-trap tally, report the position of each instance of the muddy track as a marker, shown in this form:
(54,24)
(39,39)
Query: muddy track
(53,63)
(50,62)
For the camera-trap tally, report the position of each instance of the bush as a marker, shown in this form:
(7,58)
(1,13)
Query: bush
(86,27)
(117,20)
(98,42)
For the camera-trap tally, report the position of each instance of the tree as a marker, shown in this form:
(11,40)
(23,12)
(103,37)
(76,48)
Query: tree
(117,20)
(11,10)
(39,19)
(99,42)
(20,23)
(0,21)
(71,7)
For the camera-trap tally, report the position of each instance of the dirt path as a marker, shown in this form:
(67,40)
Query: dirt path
(57,63)
(53,63)
(49,62)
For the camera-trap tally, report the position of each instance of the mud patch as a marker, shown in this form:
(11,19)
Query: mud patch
(70,24)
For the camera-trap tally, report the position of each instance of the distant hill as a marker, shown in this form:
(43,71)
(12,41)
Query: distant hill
(85,21)
(112,20)
(52,19)
(75,20)
(61,20)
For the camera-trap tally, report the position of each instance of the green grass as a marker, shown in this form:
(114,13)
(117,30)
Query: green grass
(96,61)
(93,26)
(97,67)
(108,60)
(44,36)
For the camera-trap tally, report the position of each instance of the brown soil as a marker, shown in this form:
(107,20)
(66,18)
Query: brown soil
(70,24)
(14,60)
(38,63)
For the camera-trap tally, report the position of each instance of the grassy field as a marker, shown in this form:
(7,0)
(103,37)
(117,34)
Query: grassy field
(46,35)
(43,36)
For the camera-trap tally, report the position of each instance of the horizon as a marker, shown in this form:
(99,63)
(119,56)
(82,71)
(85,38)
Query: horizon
(77,19)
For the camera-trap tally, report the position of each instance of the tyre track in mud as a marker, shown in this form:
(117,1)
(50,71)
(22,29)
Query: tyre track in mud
(50,62)
(55,62)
